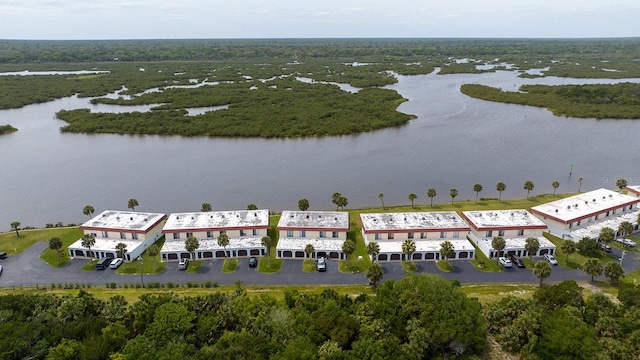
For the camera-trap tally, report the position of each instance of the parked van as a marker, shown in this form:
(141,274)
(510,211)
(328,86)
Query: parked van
(103,263)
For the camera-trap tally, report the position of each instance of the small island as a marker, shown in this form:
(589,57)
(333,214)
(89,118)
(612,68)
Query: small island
(7,129)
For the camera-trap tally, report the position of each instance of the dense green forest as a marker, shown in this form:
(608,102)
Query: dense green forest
(418,317)
(619,101)
(6,129)
(266,100)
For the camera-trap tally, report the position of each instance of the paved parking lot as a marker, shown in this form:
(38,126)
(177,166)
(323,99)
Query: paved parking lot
(28,269)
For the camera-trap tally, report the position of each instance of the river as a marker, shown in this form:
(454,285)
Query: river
(456,141)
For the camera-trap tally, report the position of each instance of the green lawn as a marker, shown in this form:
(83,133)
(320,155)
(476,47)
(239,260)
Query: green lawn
(308,265)
(576,260)
(444,266)
(13,245)
(230,265)
(409,266)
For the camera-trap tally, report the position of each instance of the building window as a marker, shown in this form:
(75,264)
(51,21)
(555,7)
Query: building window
(607,213)
(242,233)
(105,234)
(255,232)
(222,232)
(410,236)
(123,235)
(489,233)
(377,237)
(423,235)
(189,234)
(456,234)
(390,236)
(521,232)
(500,232)
(578,224)
(176,236)
(570,225)
(289,233)
(335,234)
(595,217)
(443,234)
(134,236)
(209,234)
(303,233)
(323,234)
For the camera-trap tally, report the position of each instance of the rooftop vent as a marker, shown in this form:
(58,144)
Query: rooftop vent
(104,215)
(603,198)
(307,216)
(319,216)
(117,217)
(610,195)
(192,218)
(405,218)
(131,218)
(575,206)
(586,202)
(594,200)
(335,218)
(556,210)
(145,219)
(211,217)
(177,217)
(568,207)
(255,214)
(292,216)
(223,216)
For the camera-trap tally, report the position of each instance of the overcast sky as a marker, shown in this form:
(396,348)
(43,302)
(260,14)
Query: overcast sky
(169,19)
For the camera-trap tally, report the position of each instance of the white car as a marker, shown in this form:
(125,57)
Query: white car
(115,263)
(628,242)
(552,260)
(505,262)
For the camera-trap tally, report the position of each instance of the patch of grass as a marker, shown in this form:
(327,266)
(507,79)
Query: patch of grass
(489,265)
(13,245)
(576,260)
(230,265)
(91,265)
(308,265)
(487,293)
(409,266)
(444,266)
(359,261)
(263,265)
(194,266)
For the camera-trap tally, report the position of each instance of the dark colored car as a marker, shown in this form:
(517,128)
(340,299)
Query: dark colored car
(103,263)
(517,260)
(253,262)
(3,255)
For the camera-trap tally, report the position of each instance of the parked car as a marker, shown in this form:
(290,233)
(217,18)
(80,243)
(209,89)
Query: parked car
(115,263)
(515,259)
(0,269)
(3,255)
(253,262)
(628,242)
(605,247)
(103,263)
(182,265)
(505,262)
(321,264)
(551,259)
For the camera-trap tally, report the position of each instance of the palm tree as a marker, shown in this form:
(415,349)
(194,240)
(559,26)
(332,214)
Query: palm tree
(580,180)
(408,247)
(568,247)
(55,244)
(132,204)
(542,270)
(374,274)
(88,210)
(342,201)
(625,228)
(621,183)
(88,240)
(121,249)
(252,207)
(498,244)
(613,271)
(453,193)
(223,240)
(373,249)
(381,197)
(153,251)
(555,185)
(412,198)
(303,204)
(348,247)
(309,249)
(593,267)
(531,245)
(431,193)
(191,245)
(528,185)
(607,234)
(477,188)
(266,242)
(334,199)
(446,250)
(500,187)
(15,225)
(206,207)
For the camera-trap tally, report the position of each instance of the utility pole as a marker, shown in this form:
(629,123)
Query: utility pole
(141,278)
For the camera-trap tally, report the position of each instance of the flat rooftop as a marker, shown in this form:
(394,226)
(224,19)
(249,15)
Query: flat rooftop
(501,219)
(319,220)
(633,190)
(108,245)
(413,221)
(215,220)
(123,220)
(584,205)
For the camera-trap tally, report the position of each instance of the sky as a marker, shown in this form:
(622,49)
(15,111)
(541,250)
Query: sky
(214,19)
